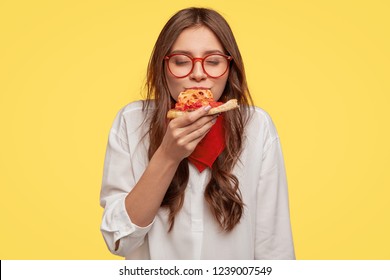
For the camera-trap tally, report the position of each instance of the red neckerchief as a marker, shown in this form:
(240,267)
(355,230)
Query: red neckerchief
(211,146)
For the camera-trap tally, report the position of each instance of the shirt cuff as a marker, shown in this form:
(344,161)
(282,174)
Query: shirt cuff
(126,226)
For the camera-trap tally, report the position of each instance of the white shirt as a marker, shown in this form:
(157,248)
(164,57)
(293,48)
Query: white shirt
(264,231)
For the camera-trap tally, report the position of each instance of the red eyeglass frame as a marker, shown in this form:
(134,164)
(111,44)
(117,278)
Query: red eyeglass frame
(201,59)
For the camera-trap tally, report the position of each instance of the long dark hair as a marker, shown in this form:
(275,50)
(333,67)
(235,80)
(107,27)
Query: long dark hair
(222,192)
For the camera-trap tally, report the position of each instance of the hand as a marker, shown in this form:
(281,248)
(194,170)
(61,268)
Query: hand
(184,133)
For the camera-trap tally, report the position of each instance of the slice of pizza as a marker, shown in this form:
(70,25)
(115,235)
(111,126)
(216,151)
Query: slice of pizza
(193,99)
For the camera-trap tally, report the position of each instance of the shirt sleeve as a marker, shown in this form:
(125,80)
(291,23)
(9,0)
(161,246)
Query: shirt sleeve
(116,184)
(273,229)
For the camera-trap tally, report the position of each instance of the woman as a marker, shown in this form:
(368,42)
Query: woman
(158,204)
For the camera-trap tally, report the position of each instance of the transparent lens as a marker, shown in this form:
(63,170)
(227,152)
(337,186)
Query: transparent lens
(180,65)
(214,65)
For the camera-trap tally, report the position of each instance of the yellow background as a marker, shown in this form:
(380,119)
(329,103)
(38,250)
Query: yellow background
(320,68)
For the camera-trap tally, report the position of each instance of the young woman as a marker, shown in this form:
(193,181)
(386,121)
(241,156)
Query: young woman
(158,203)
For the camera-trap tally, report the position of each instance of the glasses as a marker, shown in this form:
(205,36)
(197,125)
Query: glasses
(214,65)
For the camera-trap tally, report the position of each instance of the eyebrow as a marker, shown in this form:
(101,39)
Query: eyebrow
(190,53)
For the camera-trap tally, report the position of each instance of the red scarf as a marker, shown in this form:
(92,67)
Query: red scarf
(211,146)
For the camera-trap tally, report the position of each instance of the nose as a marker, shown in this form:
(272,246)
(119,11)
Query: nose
(197,72)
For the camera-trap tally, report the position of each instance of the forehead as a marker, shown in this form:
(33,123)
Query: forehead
(197,41)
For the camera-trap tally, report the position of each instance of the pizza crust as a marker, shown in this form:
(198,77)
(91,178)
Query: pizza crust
(229,105)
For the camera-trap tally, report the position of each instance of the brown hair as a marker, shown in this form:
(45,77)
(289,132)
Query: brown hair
(222,192)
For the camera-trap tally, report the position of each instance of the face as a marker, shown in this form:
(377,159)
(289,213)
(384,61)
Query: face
(197,42)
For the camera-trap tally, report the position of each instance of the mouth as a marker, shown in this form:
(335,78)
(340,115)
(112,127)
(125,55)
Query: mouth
(196,88)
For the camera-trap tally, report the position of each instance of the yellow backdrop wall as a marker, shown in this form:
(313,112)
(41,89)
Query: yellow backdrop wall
(320,68)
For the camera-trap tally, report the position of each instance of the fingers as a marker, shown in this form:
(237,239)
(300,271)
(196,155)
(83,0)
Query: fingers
(184,133)
(191,117)
(198,130)
(187,142)
(187,131)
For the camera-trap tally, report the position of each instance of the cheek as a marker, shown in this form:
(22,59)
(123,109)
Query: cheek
(173,85)
(219,87)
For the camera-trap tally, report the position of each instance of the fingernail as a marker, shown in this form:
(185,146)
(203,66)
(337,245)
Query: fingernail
(207,108)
